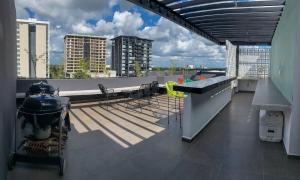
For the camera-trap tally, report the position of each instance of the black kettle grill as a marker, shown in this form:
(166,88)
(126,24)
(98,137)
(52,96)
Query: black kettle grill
(40,113)
(42,118)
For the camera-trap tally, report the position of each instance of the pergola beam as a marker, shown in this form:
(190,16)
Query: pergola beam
(238,21)
(230,19)
(237,15)
(162,10)
(184,4)
(167,1)
(247,10)
(229,4)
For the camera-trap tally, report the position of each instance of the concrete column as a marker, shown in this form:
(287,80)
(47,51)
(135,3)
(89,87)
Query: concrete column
(8,72)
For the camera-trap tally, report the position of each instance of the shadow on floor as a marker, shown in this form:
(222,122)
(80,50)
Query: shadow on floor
(122,143)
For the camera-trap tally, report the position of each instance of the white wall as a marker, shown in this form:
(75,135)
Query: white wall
(8,71)
(285,72)
(294,140)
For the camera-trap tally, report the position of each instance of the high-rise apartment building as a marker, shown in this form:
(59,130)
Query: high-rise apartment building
(129,51)
(83,47)
(32,48)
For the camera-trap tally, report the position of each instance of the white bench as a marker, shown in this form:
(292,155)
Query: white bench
(268,97)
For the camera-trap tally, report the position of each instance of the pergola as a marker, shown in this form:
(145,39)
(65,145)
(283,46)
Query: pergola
(243,22)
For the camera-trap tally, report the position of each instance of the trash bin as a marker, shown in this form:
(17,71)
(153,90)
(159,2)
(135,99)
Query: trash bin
(270,125)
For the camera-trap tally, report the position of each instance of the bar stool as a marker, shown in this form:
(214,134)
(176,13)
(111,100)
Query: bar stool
(173,94)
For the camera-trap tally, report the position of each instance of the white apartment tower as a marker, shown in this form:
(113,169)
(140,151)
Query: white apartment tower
(32,48)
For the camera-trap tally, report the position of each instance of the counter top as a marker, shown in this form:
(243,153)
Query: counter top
(268,97)
(203,86)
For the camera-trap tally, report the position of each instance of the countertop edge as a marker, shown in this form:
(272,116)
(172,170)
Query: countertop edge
(203,89)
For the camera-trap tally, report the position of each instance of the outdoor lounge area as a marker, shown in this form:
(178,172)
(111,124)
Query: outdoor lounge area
(135,143)
(223,127)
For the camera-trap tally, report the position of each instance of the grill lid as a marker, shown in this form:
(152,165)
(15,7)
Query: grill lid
(44,103)
(40,87)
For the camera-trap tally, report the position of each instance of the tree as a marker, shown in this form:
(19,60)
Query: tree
(83,72)
(56,71)
(137,69)
(107,71)
(157,69)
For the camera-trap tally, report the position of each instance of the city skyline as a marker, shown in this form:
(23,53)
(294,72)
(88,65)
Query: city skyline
(114,18)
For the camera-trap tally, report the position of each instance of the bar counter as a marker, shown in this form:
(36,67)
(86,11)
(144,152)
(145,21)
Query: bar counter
(205,99)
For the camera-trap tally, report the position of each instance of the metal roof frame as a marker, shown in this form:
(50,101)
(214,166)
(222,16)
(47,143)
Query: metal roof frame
(241,22)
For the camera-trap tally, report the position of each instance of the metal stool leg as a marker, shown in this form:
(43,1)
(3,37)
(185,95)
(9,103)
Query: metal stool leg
(179,113)
(140,105)
(168,112)
(157,100)
(175,109)
(107,101)
(148,97)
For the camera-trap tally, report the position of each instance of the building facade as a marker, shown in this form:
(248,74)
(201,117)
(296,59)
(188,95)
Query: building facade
(32,48)
(129,52)
(83,47)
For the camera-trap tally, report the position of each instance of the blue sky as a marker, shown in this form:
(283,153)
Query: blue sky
(119,17)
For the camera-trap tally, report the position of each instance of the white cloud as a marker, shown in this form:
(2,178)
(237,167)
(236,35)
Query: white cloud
(123,23)
(170,40)
(82,28)
(174,42)
(66,11)
(104,28)
(127,22)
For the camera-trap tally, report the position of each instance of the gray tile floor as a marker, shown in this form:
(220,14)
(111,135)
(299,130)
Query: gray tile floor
(229,147)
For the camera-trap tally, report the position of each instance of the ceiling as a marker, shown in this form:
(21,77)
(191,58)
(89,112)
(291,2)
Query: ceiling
(243,22)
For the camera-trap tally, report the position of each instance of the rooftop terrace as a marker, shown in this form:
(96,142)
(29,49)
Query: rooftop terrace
(136,143)
(126,141)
